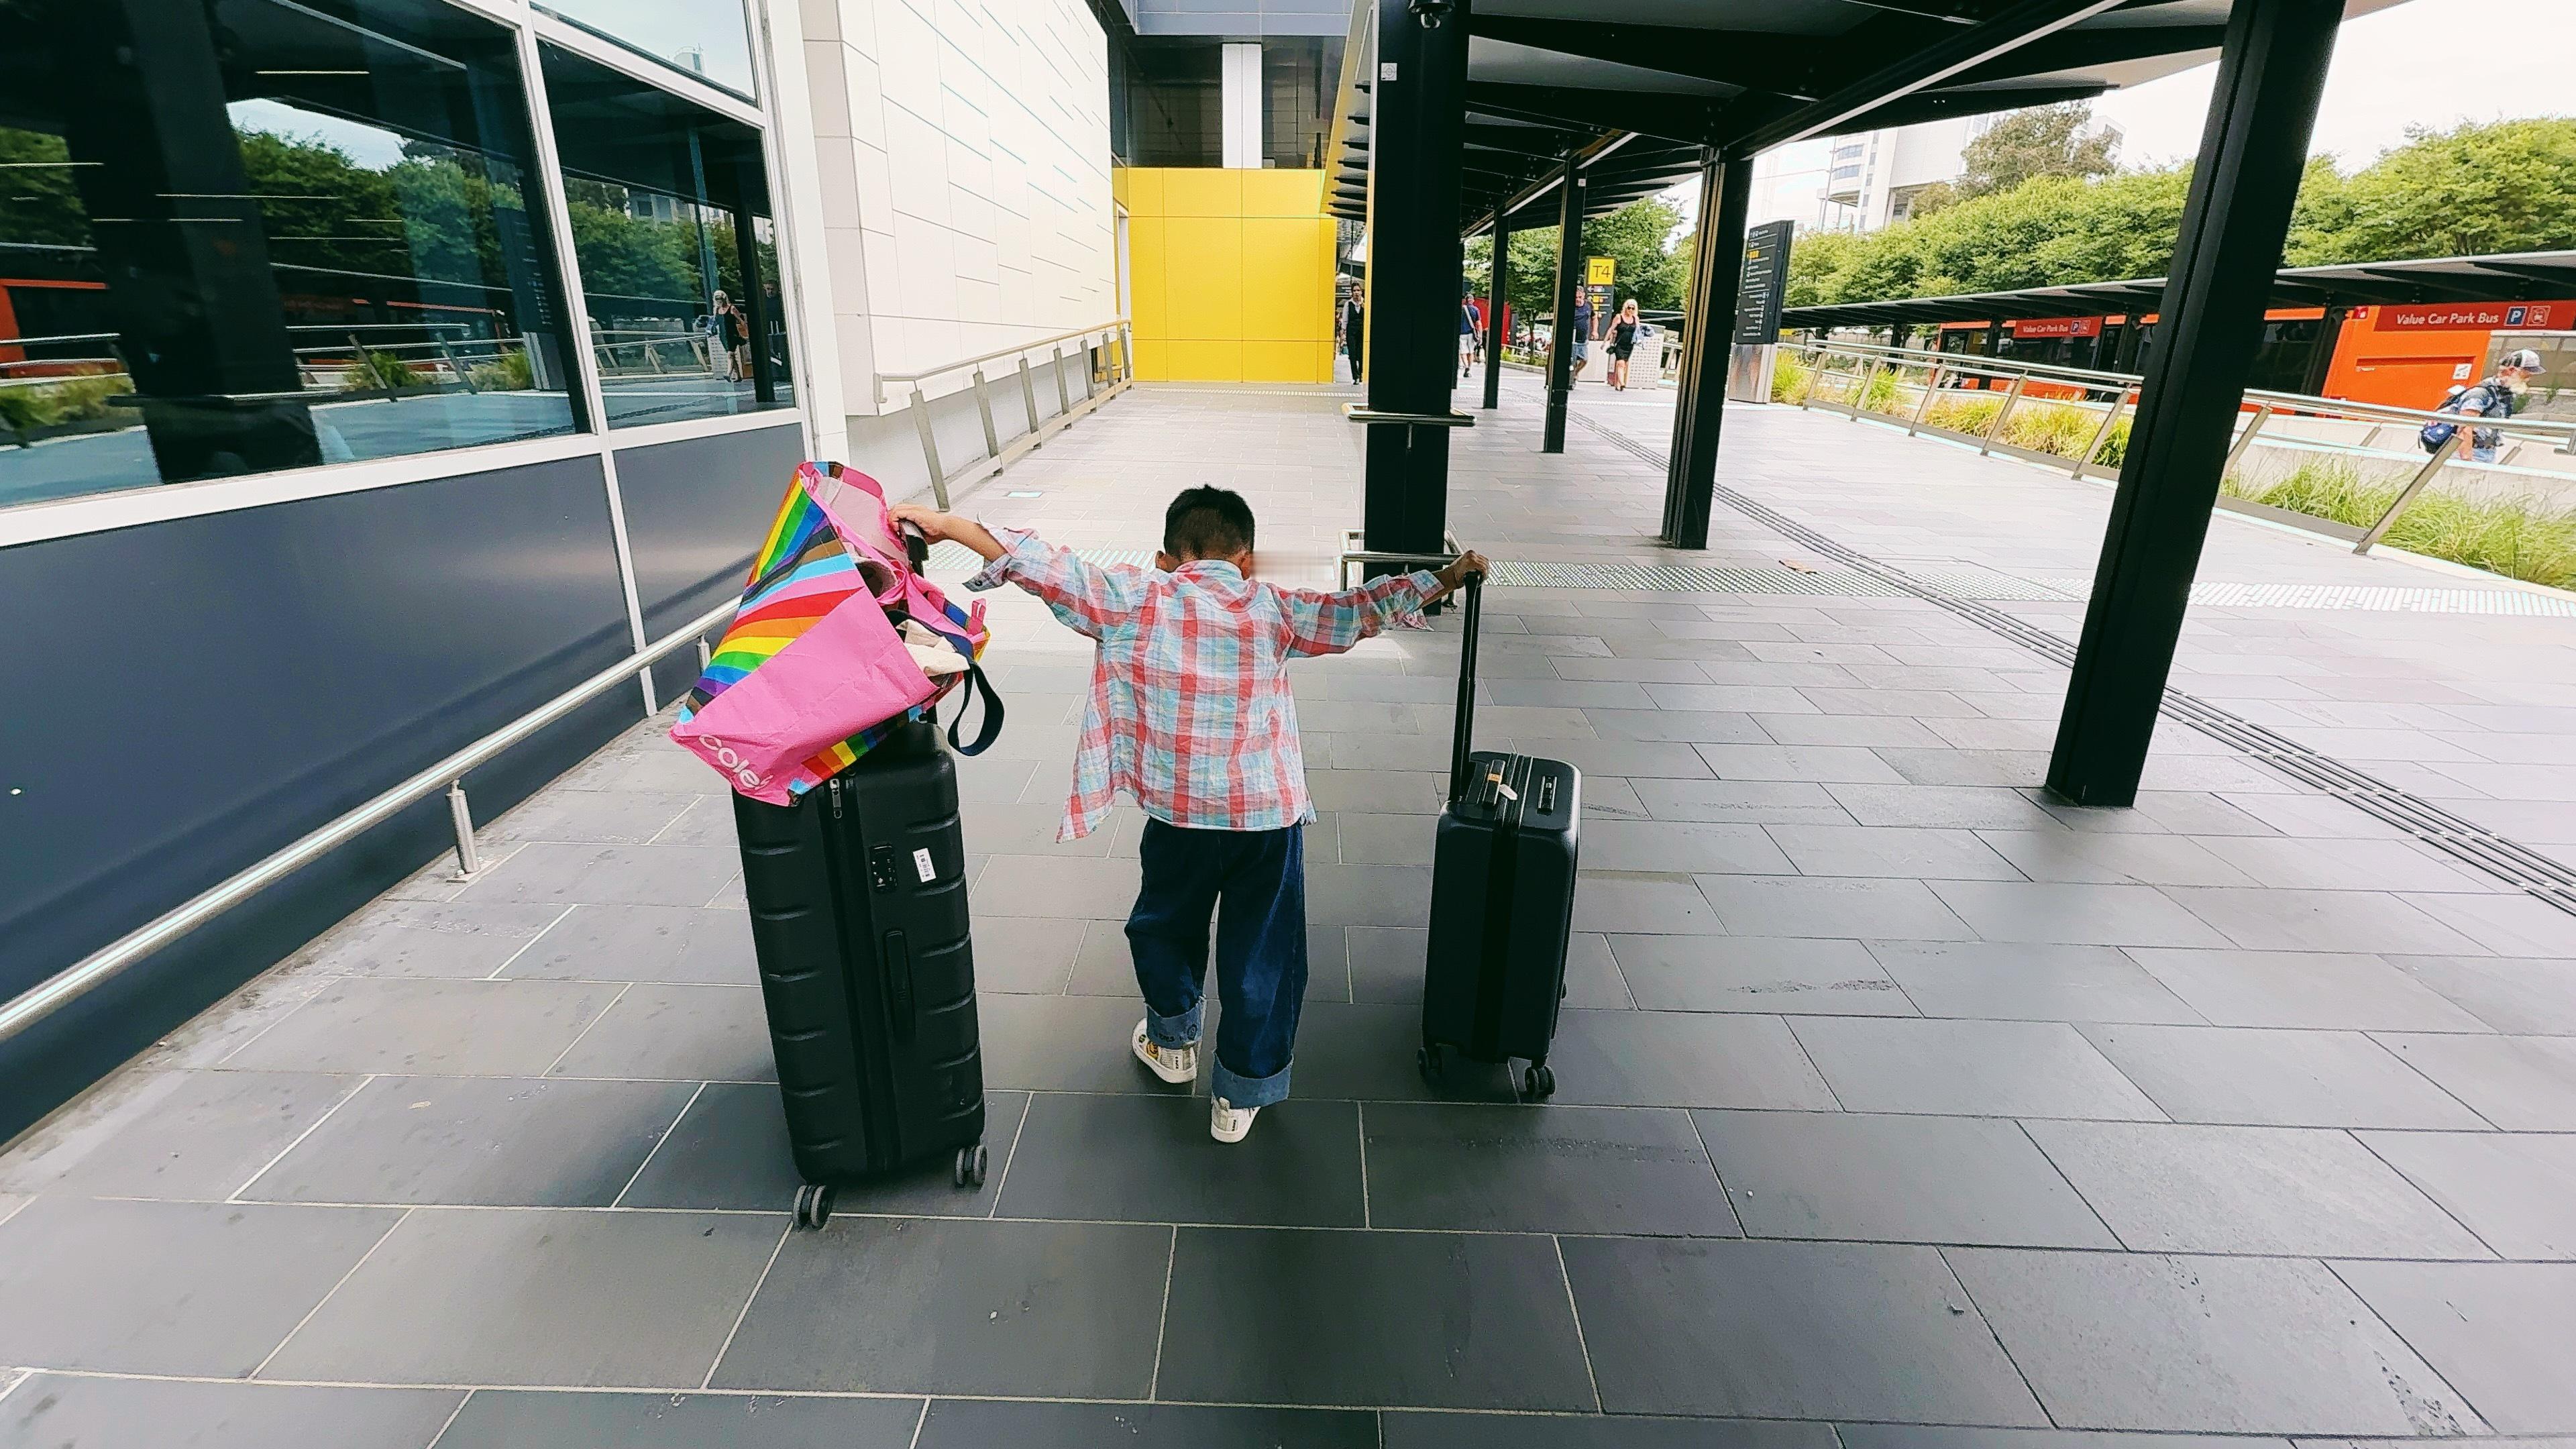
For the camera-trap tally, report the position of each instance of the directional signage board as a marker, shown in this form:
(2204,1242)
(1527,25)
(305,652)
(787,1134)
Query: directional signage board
(1766,282)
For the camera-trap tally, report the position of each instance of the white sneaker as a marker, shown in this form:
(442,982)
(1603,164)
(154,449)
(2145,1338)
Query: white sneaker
(1175,1065)
(1227,1122)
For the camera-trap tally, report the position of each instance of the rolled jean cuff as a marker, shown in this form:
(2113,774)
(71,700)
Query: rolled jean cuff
(1243,1091)
(1174,1031)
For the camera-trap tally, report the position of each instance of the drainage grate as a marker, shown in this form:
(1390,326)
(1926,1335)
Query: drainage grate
(1966,580)
(2509,861)
(2371,598)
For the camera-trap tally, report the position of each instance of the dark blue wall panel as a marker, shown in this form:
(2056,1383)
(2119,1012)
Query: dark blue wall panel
(190,696)
(696,511)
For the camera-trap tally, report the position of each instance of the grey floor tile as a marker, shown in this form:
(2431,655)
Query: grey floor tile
(1923,852)
(1681,846)
(2216,1345)
(986,1423)
(1679,1059)
(1627,759)
(470,939)
(1772,905)
(2263,919)
(2506,922)
(707,821)
(1814,975)
(186,1134)
(1593,980)
(2191,1188)
(558,1297)
(1386,962)
(2537,997)
(2259,1076)
(1389,840)
(1895,1179)
(2347,992)
(1823,764)
(512,1418)
(731,1151)
(497,1028)
(1053,1310)
(1932,1436)
(2502,1333)
(1366,1051)
(596,817)
(1367,895)
(2515,1190)
(65,1411)
(198,1289)
(2520,1083)
(2074,913)
(1026,829)
(677,1033)
(2059,854)
(1690,726)
(1964,807)
(1430,1320)
(1029,955)
(1596,1431)
(1550,1169)
(2344,864)
(2031,982)
(545,872)
(685,944)
(1968,1068)
(1072,887)
(1660,903)
(1078,1044)
(1131,1158)
(1788,1330)
(1742,801)
(496,1141)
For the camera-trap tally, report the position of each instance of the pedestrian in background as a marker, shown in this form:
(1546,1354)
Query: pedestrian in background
(2496,397)
(1623,341)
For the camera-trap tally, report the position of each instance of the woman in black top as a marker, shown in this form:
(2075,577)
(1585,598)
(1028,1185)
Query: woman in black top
(1623,340)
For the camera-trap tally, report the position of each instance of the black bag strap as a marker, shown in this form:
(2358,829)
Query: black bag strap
(1466,725)
(992,726)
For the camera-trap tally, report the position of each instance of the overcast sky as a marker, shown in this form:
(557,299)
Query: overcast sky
(2426,62)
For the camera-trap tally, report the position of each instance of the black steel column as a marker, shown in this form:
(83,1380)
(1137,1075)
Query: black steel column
(1569,278)
(1496,309)
(2252,154)
(1708,348)
(1417,135)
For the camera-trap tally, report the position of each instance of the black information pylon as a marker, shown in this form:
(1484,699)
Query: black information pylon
(1569,281)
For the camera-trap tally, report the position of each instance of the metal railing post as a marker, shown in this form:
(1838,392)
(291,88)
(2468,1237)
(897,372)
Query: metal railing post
(1063,402)
(706,656)
(2244,440)
(1868,380)
(2377,531)
(461,816)
(984,410)
(2102,434)
(1089,351)
(1931,385)
(1028,393)
(1995,429)
(929,447)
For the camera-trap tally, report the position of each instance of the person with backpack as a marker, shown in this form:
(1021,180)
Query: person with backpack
(2494,398)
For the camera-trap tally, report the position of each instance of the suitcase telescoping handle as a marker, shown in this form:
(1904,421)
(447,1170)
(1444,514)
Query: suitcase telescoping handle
(1466,722)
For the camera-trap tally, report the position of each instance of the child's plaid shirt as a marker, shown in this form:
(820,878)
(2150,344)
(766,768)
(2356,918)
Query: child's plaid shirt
(1190,711)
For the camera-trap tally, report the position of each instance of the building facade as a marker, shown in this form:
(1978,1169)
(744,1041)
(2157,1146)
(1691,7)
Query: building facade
(374,371)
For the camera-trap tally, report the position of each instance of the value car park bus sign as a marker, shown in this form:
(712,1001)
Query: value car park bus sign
(2038,327)
(2465,316)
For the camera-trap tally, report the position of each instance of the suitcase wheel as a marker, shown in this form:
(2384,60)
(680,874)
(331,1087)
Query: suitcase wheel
(1538,1083)
(969,1171)
(813,1205)
(1427,1059)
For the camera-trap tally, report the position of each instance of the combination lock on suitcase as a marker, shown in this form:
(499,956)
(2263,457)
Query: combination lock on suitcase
(1502,898)
(858,917)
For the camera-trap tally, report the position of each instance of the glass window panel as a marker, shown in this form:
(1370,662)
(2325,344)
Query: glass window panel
(707,38)
(1300,75)
(679,258)
(1176,104)
(245,235)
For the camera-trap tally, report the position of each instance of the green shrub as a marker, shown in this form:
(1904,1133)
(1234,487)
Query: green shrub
(1791,380)
(373,369)
(1881,394)
(1964,412)
(72,400)
(509,372)
(2521,538)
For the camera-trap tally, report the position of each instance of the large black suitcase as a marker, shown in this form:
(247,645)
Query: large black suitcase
(1502,898)
(858,917)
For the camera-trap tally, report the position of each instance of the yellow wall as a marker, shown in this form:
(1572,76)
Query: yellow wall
(1230,274)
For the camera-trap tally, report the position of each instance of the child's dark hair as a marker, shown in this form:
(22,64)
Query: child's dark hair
(1207,522)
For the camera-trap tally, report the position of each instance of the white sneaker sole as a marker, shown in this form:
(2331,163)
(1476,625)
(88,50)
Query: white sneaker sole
(1218,1132)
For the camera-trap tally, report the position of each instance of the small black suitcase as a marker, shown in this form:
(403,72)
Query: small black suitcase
(858,917)
(1502,898)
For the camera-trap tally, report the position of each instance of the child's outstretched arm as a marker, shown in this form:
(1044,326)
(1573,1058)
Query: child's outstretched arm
(1088,598)
(1322,623)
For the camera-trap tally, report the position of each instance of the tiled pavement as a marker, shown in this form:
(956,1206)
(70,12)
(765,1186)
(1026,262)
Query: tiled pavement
(1896,1103)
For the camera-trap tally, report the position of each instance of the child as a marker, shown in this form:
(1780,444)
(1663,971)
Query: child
(1190,714)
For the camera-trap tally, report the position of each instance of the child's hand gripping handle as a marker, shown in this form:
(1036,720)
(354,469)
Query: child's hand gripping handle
(1474,583)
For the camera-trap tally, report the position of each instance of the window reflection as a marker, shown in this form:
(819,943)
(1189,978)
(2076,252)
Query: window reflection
(706,38)
(679,260)
(244,235)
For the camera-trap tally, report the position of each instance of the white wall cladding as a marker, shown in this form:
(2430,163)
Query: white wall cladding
(962,155)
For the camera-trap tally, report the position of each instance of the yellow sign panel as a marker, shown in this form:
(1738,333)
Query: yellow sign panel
(1597,270)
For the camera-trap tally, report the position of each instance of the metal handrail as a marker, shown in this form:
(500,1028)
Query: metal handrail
(1119,328)
(1114,324)
(95,969)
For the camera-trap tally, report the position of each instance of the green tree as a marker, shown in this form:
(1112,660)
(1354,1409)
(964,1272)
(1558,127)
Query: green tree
(2507,186)
(39,205)
(1637,237)
(2041,141)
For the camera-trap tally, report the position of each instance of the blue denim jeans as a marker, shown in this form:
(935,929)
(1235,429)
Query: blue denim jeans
(1253,882)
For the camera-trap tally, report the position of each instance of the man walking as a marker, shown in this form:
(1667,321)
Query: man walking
(2494,398)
